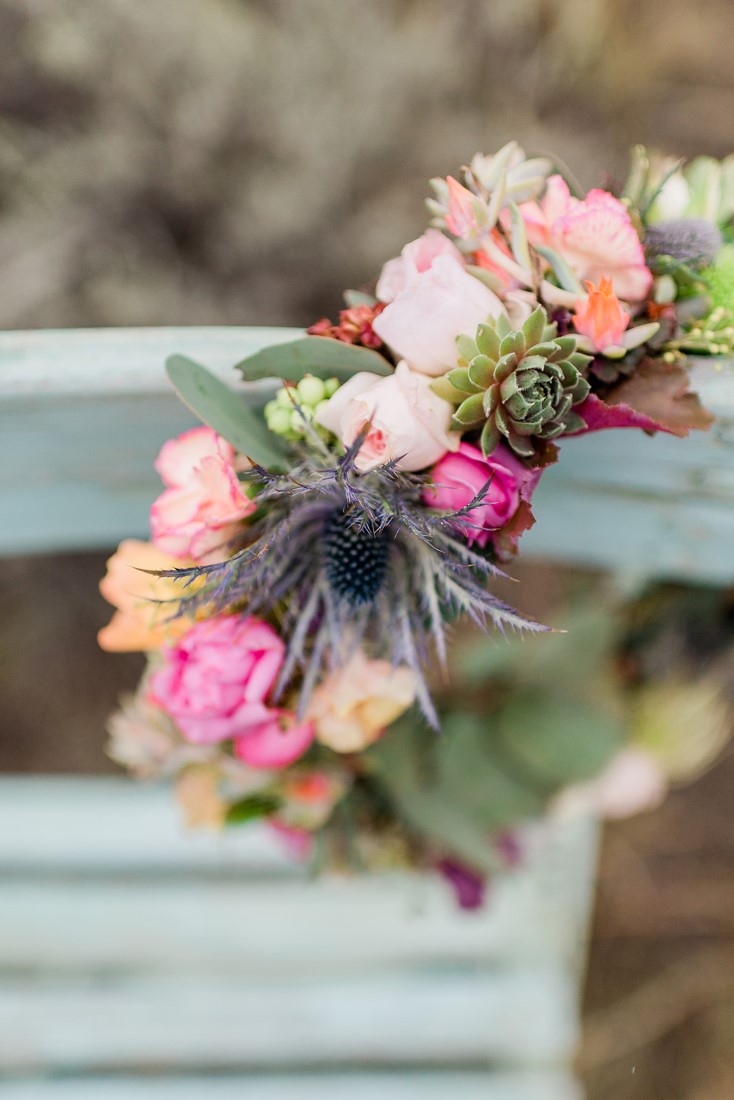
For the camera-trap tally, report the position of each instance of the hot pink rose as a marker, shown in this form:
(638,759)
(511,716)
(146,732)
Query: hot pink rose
(407,420)
(204,503)
(457,479)
(594,235)
(215,682)
(438,304)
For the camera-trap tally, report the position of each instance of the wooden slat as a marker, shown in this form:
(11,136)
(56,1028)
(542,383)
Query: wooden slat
(538,1085)
(119,948)
(98,853)
(442,1017)
(83,413)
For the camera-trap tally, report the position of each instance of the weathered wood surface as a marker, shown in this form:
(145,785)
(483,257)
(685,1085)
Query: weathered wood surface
(533,1085)
(83,413)
(128,947)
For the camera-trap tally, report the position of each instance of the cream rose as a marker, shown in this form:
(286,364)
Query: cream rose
(354,704)
(435,306)
(405,419)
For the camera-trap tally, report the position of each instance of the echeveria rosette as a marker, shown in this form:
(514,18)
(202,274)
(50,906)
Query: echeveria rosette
(521,385)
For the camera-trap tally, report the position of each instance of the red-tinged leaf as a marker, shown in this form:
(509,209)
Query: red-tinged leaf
(655,398)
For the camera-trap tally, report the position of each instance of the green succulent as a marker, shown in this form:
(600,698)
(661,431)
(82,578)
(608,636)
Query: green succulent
(519,385)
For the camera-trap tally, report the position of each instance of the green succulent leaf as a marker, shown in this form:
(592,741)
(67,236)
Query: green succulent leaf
(318,355)
(226,412)
(471,411)
(461,379)
(534,327)
(566,278)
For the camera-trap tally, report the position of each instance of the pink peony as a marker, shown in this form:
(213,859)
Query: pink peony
(416,257)
(204,503)
(214,685)
(422,321)
(407,420)
(594,235)
(457,479)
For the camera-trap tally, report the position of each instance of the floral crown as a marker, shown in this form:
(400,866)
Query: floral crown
(364,486)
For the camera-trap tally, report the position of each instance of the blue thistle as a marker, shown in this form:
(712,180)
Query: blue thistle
(342,559)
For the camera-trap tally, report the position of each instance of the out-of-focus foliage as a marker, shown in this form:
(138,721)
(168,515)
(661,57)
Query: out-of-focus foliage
(199,161)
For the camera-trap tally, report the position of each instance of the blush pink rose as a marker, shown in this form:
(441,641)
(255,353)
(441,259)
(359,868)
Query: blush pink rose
(407,420)
(457,479)
(416,257)
(215,682)
(594,235)
(422,321)
(203,504)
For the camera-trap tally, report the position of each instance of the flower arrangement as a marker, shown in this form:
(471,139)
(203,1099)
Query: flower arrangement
(359,492)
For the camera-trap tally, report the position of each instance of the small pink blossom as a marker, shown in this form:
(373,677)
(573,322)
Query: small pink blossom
(461,219)
(631,783)
(406,420)
(215,682)
(416,257)
(203,504)
(438,304)
(594,235)
(458,478)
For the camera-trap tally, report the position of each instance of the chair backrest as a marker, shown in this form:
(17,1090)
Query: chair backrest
(83,413)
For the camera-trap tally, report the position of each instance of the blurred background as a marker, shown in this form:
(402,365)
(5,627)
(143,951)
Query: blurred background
(239,162)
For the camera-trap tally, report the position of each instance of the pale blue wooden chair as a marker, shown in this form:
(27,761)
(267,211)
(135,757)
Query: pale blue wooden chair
(137,962)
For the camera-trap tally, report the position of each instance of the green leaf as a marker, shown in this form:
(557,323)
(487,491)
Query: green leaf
(228,413)
(359,298)
(251,808)
(443,388)
(558,740)
(318,355)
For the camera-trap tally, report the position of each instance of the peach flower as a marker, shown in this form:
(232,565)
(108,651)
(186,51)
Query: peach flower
(438,304)
(138,623)
(352,707)
(406,420)
(204,503)
(594,235)
(600,317)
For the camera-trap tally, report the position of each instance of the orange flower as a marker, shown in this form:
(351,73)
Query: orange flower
(600,317)
(137,623)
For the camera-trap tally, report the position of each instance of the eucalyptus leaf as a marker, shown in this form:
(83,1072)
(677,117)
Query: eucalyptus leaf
(226,412)
(317,355)
(558,740)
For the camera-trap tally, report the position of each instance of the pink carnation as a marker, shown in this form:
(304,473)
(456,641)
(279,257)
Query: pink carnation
(203,504)
(215,682)
(594,235)
(458,478)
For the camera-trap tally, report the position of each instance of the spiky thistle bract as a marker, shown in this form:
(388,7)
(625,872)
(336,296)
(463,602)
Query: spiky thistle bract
(341,558)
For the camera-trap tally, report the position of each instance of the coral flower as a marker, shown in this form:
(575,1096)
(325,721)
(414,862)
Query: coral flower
(461,219)
(601,317)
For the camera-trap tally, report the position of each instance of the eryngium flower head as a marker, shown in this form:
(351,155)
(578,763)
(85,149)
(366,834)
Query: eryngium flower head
(690,241)
(343,560)
(521,384)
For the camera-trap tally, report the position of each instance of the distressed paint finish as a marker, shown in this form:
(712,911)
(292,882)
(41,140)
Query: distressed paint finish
(83,413)
(127,947)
